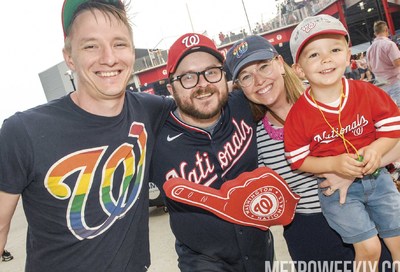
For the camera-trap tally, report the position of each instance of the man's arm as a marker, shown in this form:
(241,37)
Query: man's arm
(374,153)
(396,62)
(8,203)
(391,156)
(342,183)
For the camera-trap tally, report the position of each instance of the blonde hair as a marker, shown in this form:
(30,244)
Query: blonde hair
(293,88)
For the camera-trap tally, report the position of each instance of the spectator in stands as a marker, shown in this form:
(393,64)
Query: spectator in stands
(221,37)
(243,32)
(347,72)
(355,74)
(365,73)
(383,58)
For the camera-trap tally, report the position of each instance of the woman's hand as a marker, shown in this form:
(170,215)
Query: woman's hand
(335,182)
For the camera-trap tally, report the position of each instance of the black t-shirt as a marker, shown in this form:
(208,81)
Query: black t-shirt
(82,179)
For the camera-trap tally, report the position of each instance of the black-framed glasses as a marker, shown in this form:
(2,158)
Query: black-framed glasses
(264,69)
(191,79)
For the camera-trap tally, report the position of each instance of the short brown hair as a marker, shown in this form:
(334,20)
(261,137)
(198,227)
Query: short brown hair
(380,27)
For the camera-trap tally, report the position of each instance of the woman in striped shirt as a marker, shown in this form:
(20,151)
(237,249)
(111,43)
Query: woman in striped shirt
(272,88)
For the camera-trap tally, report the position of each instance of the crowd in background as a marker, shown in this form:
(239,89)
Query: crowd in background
(358,68)
(288,12)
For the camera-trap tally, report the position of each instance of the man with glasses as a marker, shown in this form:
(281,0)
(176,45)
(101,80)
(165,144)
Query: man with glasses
(208,139)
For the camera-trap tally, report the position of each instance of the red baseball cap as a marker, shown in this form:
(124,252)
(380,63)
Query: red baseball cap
(190,43)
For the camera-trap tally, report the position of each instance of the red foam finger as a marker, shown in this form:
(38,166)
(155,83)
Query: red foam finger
(260,198)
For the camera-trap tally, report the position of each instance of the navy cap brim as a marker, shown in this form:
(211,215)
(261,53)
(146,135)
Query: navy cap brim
(255,56)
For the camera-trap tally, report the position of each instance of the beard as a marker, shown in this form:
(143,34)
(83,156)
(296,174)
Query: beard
(188,108)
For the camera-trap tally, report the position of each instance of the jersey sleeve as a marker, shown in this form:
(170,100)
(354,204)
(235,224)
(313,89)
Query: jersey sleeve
(167,105)
(297,144)
(16,158)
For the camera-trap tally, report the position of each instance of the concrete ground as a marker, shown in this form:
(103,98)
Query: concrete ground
(163,256)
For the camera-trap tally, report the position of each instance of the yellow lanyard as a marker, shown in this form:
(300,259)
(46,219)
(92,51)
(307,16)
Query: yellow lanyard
(340,134)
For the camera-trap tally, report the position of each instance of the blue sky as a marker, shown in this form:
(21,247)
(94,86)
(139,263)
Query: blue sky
(32,37)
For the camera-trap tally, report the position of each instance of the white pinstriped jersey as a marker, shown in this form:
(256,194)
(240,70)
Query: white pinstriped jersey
(366,113)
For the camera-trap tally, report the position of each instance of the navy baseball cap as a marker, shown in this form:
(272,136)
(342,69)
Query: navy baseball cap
(70,7)
(250,49)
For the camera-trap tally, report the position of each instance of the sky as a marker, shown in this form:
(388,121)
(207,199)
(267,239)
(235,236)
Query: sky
(32,37)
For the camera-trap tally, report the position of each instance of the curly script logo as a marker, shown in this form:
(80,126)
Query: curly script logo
(308,27)
(86,164)
(191,40)
(264,204)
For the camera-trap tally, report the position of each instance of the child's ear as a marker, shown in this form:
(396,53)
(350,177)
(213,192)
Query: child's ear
(348,57)
(298,70)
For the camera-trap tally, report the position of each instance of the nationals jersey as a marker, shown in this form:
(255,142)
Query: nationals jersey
(194,154)
(83,182)
(366,113)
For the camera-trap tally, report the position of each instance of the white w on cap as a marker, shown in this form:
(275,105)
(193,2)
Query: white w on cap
(311,27)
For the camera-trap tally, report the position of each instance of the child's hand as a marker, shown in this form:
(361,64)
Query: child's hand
(371,159)
(347,165)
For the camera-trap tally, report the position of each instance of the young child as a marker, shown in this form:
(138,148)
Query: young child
(344,126)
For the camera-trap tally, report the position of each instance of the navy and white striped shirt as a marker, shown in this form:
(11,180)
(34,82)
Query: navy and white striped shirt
(271,154)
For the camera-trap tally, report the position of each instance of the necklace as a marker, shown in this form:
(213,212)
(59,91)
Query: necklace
(274,133)
(339,132)
(277,118)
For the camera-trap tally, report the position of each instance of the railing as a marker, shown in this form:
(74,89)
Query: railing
(288,14)
(155,58)
(293,14)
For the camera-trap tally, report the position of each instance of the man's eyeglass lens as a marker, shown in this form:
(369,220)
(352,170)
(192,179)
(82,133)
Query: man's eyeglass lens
(191,79)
